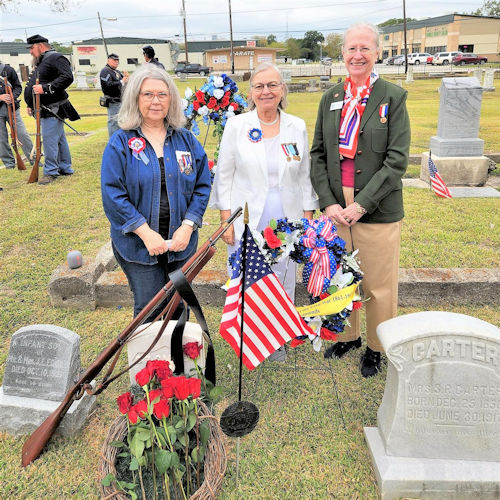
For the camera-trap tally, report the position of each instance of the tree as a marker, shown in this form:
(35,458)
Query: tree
(489,8)
(293,47)
(271,39)
(333,46)
(261,40)
(310,48)
(63,49)
(395,20)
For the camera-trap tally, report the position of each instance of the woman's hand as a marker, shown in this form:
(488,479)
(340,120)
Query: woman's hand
(351,214)
(181,237)
(336,215)
(153,241)
(228,236)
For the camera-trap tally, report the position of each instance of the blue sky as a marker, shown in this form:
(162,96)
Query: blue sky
(162,19)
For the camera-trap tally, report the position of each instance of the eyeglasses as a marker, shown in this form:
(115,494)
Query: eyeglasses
(353,50)
(272,86)
(149,96)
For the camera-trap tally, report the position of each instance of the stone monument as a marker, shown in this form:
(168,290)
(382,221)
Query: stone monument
(457,150)
(42,365)
(489,79)
(409,74)
(438,434)
(81,80)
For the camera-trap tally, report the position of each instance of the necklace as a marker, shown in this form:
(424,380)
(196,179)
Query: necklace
(269,124)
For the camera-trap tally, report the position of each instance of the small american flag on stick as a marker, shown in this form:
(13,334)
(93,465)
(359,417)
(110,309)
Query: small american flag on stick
(437,183)
(270,318)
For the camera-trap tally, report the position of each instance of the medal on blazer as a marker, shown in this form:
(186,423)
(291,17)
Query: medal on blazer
(255,135)
(383,110)
(138,145)
(184,161)
(290,150)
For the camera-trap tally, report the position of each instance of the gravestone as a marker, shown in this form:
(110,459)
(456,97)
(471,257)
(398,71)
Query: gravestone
(81,80)
(287,75)
(43,364)
(97,82)
(409,74)
(438,434)
(489,80)
(478,73)
(457,151)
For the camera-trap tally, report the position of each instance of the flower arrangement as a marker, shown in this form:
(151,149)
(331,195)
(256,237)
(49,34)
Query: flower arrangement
(329,271)
(214,103)
(163,451)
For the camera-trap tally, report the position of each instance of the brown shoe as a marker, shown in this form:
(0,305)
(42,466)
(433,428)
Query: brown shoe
(47,179)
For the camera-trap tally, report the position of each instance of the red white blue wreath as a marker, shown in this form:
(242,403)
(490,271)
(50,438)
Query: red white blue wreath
(138,145)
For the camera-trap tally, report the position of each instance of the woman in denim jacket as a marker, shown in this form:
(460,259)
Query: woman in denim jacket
(155,184)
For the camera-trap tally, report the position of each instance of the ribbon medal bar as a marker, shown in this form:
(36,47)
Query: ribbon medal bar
(184,161)
(383,110)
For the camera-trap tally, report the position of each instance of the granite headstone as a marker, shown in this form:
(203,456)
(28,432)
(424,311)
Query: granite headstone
(438,434)
(81,80)
(42,365)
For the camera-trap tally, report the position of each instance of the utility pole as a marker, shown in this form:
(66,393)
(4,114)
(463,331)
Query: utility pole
(102,35)
(231,37)
(185,34)
(406,46)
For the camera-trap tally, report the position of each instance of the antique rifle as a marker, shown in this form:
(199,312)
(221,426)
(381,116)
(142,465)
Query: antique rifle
(55,115)
(38,144)
(35,444)
(11,110)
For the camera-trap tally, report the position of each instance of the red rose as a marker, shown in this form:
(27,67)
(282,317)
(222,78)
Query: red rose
(125,402)
(323,295)
(200,96)
(224,102)
(296,342)
(195,387)
(143,377)
(161,409)
(141,408)
(326,334)
(182,388)
(155,394)
(196,105)
(160,368)
(212,102)
(192,349)
(357,305)
(210,164)
(234,105)
(271,239)
(168,387)
(133,416)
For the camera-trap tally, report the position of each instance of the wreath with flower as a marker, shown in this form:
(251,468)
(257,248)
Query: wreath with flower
(330,274)
(214,103)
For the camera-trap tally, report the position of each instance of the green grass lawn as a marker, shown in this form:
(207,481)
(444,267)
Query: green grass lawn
(300,449)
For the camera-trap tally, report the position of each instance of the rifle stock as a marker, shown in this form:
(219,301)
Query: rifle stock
(11,110)
(35,444)
(38,145)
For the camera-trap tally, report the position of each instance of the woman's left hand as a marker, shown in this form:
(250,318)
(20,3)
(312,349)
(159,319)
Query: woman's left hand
(180,238)
(351,214)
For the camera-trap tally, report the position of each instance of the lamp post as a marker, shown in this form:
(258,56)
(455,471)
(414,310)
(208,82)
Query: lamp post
(231,38)
(102,34)
(183,12)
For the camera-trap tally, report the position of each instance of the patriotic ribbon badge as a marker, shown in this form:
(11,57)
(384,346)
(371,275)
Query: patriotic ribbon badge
(383,110)
(138,145)
(255,135)
(320,262)
(290,150)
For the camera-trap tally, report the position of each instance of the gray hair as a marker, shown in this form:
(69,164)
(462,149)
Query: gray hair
(368,26)
(262,67)
(129,116)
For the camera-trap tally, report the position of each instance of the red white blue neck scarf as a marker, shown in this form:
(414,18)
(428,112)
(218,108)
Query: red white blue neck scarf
(355,100)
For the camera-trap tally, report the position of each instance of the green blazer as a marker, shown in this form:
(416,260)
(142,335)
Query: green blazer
(381,159)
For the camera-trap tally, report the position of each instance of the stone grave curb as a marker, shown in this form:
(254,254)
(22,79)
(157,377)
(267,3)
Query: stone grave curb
(99,283)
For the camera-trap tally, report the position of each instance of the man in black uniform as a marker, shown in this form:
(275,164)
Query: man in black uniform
(51,77)
(149,56)
(6,155)
(112,82)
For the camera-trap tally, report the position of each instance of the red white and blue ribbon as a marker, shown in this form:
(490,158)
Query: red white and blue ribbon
(384,108)
(355,100)
(316,236)
(138,145)
(255,134)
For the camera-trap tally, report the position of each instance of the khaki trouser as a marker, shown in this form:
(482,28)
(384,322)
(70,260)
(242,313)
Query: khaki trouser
(378,246)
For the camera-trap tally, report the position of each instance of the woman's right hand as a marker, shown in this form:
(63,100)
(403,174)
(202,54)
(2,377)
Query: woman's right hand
(228,236)
(153,241)
(334,213)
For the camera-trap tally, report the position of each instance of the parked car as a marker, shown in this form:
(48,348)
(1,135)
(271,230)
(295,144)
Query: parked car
(191,68)
(418,58)
(467,58)
(390,60)
(444,58)
(399,61)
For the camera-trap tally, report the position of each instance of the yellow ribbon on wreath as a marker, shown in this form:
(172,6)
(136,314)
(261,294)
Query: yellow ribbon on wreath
(333,304)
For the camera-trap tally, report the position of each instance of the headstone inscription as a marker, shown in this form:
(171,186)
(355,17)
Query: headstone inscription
(438,431)
(42,365)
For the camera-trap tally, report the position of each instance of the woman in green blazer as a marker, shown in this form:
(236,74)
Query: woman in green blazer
(358,157)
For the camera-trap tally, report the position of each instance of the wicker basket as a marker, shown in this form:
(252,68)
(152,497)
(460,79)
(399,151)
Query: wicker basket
(214,465)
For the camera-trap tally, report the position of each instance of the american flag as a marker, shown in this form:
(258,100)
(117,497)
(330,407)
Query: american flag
(270,318)
(437,182)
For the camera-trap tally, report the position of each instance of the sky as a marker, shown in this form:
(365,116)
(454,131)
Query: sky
(206,19)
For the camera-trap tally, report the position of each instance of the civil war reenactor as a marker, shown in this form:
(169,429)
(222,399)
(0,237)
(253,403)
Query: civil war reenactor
(149,56)
(112,82)
(50,79)
(8,73)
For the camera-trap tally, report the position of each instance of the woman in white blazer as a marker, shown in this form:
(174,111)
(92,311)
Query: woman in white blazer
(264,160)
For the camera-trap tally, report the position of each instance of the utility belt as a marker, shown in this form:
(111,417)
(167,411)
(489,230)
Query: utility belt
(106,100)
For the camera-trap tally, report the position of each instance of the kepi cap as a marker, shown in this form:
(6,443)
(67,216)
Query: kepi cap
(35,39)
(113,56)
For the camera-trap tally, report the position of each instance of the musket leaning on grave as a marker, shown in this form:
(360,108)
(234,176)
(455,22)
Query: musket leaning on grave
(11,110)
(35,444)
(38,143)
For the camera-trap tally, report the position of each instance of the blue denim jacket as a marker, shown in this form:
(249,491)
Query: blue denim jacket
(131,191)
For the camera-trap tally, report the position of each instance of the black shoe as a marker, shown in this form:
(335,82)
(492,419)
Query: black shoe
(338,349)
(370,363)
(47,179)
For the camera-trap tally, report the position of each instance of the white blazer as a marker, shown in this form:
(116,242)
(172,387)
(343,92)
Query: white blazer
(241,174)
